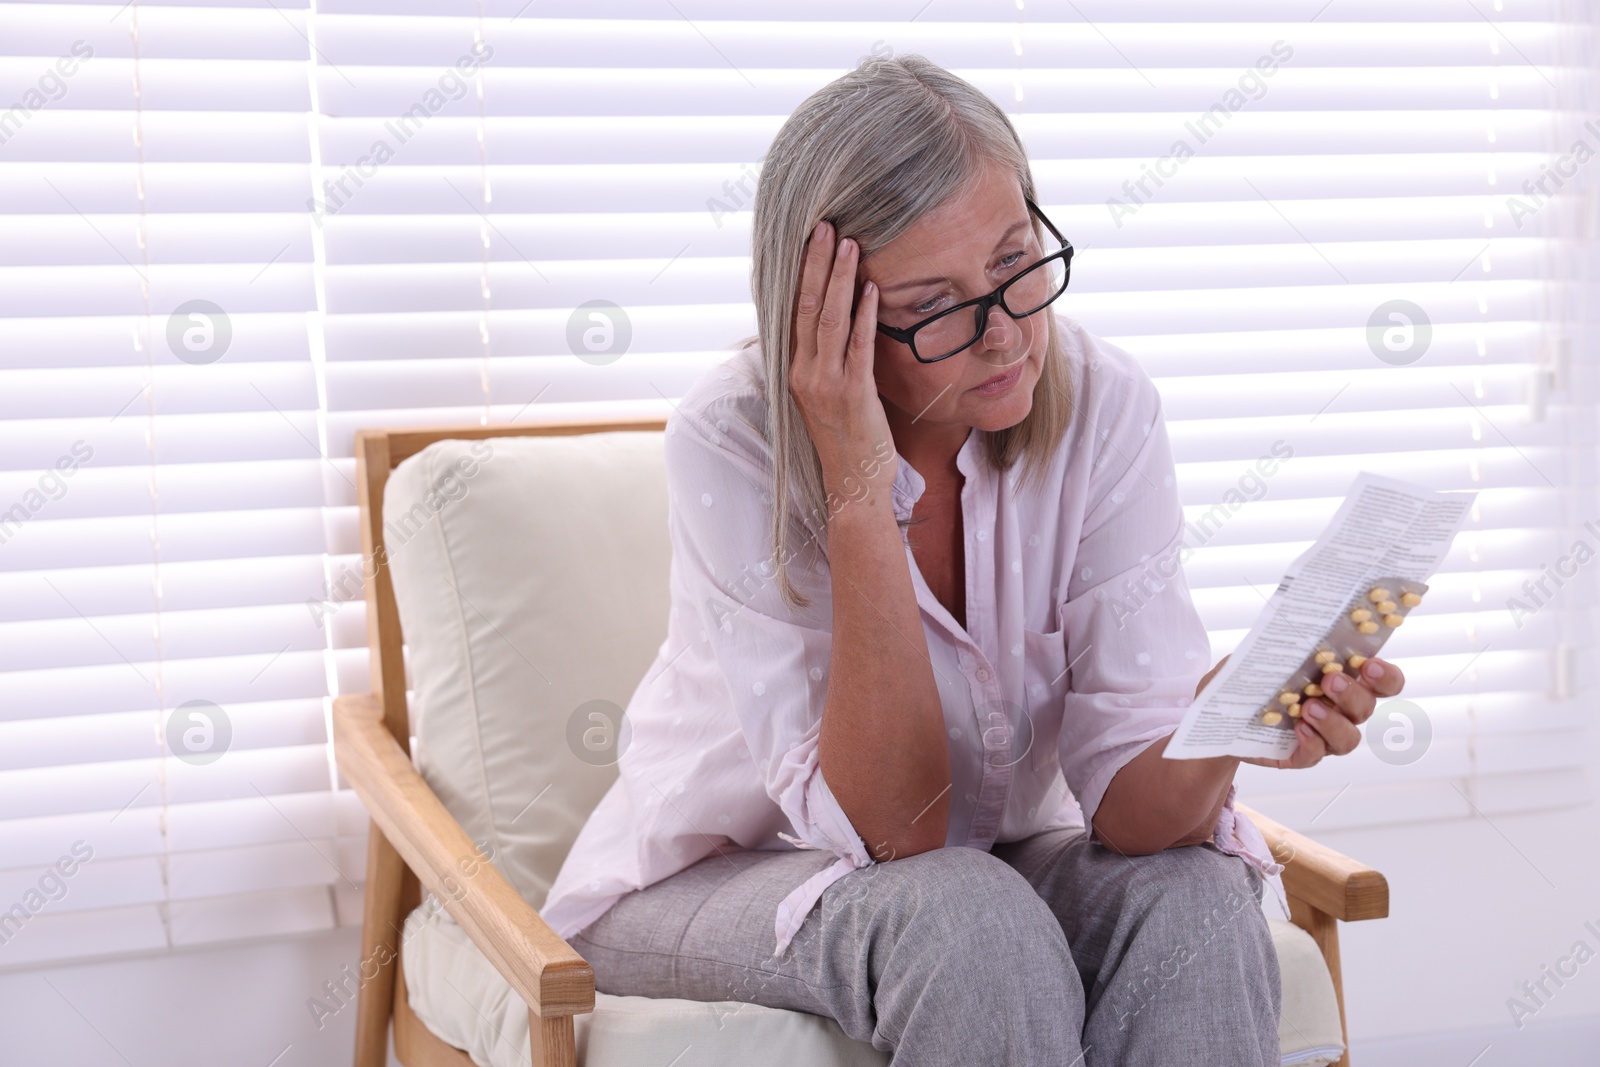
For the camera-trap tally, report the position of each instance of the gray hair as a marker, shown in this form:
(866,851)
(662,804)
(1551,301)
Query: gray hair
(872,152)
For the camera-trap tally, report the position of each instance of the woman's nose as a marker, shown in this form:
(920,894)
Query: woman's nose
(997,334)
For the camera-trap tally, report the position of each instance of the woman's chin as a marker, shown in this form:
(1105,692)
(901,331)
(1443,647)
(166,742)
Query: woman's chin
(1006,416)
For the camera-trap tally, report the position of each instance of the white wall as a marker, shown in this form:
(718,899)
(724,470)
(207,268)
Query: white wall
(242,1005)
(1476,908)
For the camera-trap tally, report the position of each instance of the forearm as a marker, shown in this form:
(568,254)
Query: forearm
(1155,803)
(882,746)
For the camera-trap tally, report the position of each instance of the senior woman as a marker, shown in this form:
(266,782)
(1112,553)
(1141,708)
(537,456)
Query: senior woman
(927,626)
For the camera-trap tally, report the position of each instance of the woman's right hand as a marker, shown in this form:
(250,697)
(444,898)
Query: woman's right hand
(830,373)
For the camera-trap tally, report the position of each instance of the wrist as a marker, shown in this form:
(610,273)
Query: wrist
(853,505)
(854,479)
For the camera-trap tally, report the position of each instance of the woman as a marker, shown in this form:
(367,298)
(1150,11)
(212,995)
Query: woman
(948,663)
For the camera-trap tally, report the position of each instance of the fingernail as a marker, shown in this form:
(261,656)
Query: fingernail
(821,225)
(846,245)
(1373,668)
(1336,683)
(1316,711)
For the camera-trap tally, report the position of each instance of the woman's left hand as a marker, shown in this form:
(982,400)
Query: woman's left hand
(1331,724)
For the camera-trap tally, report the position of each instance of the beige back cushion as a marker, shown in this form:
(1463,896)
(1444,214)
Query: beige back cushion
(531,575)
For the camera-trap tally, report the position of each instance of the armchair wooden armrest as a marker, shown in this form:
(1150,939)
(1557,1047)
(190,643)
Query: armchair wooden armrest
(552,979)
(1328,881)
(1323,887)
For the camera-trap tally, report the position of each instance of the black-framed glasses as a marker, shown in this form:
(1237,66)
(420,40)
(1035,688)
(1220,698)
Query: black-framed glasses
(958,328)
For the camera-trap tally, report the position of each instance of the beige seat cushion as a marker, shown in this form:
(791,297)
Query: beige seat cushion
(531,577)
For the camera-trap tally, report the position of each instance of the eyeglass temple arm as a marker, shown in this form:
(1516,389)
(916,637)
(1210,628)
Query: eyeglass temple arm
(1048,224)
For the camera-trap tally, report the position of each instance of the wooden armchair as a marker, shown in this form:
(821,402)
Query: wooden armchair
(414,841)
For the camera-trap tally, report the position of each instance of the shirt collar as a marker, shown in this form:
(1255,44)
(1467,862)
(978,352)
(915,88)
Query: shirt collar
(907,489)
(967,459)
(909,484)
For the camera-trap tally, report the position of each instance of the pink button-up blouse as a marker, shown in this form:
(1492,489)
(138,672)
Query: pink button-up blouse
(1082,646)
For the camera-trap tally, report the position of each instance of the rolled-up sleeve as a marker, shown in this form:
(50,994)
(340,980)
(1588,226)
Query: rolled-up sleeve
(1136,645)
(773,661)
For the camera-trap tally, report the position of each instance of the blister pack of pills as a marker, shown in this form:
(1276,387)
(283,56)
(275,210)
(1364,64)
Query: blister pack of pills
(1368,621)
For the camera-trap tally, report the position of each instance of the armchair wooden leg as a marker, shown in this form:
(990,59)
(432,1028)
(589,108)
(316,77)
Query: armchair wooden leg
(553,1040)
(1324,930)
(380,942)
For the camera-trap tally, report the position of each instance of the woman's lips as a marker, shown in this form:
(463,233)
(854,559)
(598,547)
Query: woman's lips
(1001,383)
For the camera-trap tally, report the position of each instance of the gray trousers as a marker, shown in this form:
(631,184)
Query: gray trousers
(1049,951)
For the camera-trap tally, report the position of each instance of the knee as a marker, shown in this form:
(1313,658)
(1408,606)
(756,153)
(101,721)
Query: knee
(1210,892)
(958,931)
(979,903)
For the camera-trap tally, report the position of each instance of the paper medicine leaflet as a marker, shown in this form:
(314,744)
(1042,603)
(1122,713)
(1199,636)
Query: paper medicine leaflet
(1336,606)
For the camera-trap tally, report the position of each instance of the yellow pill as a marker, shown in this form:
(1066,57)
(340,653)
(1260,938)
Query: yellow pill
(1392,621)
(1410,600)
(1288,698)
(1333,668)
(1368,627)
(1325,656)
(1294,711)
(1379,593)
(1313,690)
(1356,661)
(1360,615)
(1386,607)
(1272,718)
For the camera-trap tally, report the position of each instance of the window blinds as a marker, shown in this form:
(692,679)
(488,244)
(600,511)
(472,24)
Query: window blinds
(235,234)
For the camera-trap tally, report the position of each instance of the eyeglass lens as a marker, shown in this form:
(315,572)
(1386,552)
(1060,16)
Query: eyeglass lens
(1032,290)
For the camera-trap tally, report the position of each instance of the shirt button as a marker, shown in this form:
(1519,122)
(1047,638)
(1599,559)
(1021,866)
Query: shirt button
(996,758)
(983,535)
(983,674)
